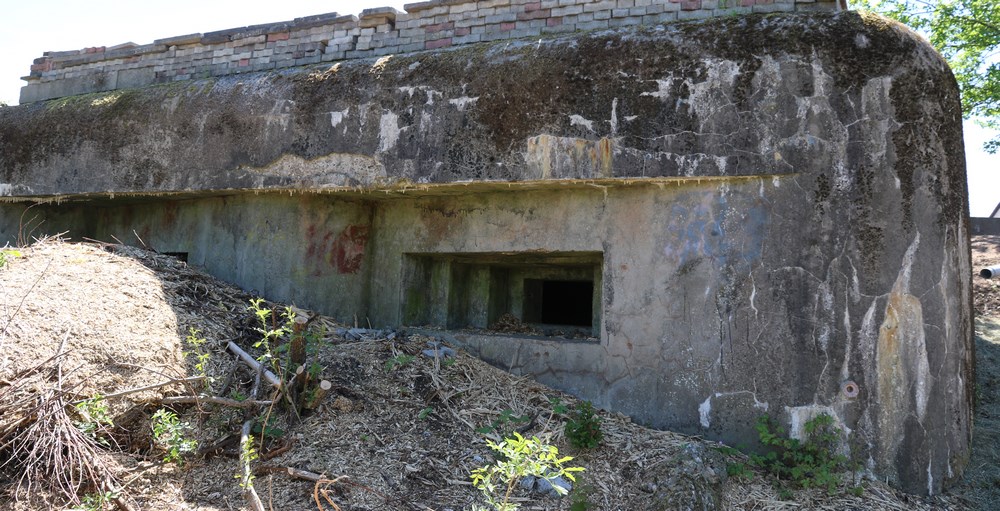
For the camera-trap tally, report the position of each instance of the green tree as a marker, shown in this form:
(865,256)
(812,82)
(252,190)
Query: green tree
(967,33)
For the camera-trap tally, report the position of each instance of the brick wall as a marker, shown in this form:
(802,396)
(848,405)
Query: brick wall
(376,32)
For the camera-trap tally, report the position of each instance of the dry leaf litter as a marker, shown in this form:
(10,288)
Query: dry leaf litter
(398,430)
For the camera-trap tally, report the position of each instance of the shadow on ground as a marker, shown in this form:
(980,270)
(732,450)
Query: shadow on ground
(981,485)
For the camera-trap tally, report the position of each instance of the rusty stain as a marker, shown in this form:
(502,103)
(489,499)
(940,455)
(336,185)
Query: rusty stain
(348,250)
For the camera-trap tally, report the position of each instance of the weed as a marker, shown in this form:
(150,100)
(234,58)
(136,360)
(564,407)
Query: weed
(269,330)
(580,498)
(199,353)
(506,418)
(558,407)
(583,429)
(94,418)
(169,432)
(813,463)
(398,361)
(96,501)
(520,457)
(8,253)
(425,413)
(247,455)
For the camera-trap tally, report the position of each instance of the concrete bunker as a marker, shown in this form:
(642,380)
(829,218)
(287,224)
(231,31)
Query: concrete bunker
(764,213)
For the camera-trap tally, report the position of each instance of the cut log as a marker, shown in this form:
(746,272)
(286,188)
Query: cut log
(319,394)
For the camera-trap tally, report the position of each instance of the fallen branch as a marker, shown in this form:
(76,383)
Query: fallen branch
(246,403)
(142,389)
(252,362)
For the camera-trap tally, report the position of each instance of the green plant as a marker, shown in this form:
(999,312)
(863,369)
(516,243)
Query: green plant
(506,418)
(520,457)
(247,455)
(201,356)
(580,498)
(583,429)
(425,413)
(170,433)
(558,407)
(94,418)
(269,330)
(811,463)
(398,361)
(96,501)
(7,253)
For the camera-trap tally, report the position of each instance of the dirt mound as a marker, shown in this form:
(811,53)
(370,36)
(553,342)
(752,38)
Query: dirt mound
(397,429)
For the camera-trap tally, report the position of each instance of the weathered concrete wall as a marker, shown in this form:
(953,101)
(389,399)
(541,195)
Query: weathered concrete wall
(778,205)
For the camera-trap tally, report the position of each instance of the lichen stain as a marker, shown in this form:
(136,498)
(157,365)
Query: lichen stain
(335,169)
(902,368)
(551,157)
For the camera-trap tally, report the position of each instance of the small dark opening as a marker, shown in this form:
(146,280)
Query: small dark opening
(183,256)
(560,302)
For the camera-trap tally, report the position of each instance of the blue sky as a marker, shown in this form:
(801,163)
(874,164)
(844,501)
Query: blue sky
(29,28)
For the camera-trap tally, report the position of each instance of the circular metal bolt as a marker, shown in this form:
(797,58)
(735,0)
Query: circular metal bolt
(850,389)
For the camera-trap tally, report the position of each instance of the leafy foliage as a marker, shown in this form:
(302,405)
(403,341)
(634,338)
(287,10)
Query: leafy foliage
(199,353)
(967,33)
(583,429)
(398,361)
(813,463)
(96,501)
(8,253)
(170,434)
(95,418)
(520,457)
(506,418)
(269,330)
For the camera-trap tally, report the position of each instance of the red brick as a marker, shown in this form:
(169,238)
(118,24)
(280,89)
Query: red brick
(45,66)
(244,62)
(430,29)
(690,5)
(463,31)
(505,27)
(532,7)
(277,36)
(533,15)
(437,43)
(764,2)
(553,22)
(746,3)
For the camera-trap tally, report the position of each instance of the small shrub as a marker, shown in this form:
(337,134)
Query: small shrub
(170,433)
(813,463)
(269,330)
(506,419)
(94,418)
(398,361)
(96,501)
(520,457)
(583,429)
